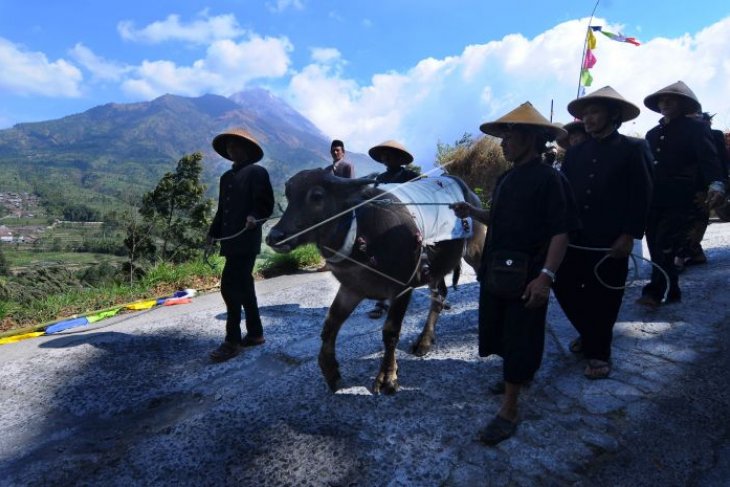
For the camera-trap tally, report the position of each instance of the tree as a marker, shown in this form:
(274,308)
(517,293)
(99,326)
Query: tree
(4,266)
(177,212)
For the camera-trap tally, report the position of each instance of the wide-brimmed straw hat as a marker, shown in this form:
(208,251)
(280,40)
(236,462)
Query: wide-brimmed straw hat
(243,137)
(392,146)
(629,111)
(525,116)
(676,89)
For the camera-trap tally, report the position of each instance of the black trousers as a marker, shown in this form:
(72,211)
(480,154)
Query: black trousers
(237,289)
(515,333)
(666,234)
(699,218)
(591,307)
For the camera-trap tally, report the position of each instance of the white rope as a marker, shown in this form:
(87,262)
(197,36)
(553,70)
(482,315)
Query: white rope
(634,258)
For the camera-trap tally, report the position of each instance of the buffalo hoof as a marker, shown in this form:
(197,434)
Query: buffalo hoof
(334,383)
(330,371)
(386,387)
(421,347)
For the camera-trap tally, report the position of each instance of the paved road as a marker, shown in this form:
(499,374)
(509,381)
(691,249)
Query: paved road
(135,401)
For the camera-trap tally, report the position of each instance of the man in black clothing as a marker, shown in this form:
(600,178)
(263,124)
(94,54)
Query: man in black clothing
(691,252)
(396,158)
(245,200)
(609,176)
(530,216)
(685,161)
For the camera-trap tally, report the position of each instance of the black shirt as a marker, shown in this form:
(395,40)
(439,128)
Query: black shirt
(612,188)
(400,175)
(685,161)
(531,204)
(244,190)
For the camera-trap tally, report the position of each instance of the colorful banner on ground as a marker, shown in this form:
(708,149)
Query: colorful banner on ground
(178,297)
(589,59)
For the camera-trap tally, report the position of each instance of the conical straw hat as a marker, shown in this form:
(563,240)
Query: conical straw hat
(629,111)
(392,146)
(253,147)
(677,89)
(524,115)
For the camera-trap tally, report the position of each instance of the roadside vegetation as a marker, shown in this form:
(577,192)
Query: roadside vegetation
(477,162)
(81,259)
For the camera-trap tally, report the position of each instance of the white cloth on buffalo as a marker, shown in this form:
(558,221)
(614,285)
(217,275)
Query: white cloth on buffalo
(427,200)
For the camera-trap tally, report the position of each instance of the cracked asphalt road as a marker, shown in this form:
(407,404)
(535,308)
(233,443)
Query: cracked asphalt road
(135,401)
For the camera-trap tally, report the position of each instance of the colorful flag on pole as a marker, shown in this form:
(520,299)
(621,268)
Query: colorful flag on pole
(591,43)
(589,60)
(616,37)
(586,79)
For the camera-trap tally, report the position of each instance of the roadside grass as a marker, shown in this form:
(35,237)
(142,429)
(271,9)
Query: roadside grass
(28,257)
(159,281)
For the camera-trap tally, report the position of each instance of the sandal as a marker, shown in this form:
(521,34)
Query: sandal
(576,346)
(249,341)
(597,369)
(379,310)
(226,351)
(498,429)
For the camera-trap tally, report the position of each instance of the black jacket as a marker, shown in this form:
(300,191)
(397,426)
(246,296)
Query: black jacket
(244,190)
(685,161)
(402,175)
(612,187)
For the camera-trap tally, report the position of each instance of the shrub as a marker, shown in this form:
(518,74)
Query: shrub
(479,163)
(273,264)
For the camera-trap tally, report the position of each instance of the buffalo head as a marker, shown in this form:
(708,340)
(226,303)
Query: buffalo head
(316,200)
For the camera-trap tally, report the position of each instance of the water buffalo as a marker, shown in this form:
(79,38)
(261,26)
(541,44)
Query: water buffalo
(373,247)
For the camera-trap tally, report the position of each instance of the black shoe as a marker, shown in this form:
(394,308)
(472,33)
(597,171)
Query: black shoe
(498,429)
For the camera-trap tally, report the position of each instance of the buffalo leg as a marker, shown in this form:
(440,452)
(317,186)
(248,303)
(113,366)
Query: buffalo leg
(428,336)
(387,379)
(345,301)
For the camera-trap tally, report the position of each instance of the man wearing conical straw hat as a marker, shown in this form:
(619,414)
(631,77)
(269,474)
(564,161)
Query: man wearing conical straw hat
(528,223)
(245,199)
(576,133)
(609,175)
(395,157)
(686,162)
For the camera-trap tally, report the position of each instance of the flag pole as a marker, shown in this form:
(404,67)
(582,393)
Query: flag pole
(585,45)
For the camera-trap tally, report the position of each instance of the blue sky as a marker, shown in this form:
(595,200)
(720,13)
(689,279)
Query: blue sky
(418,71)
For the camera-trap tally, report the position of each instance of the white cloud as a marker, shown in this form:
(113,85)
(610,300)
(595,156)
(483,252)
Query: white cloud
(325,55)
(227,67)
(440,99)
(281,5)
(97,66)
(202,31)
(31,73)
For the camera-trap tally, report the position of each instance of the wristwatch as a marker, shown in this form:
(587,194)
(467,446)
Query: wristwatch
(548,273)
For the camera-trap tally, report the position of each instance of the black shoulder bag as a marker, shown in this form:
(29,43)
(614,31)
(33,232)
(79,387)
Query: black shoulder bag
(506,270)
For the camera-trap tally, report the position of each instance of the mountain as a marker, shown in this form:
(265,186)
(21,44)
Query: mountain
(114,150)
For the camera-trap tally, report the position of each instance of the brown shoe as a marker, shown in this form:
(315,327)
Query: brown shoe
(249,341)
(226,351)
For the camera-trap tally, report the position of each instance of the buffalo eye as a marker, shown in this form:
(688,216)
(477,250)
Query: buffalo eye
(316,197)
